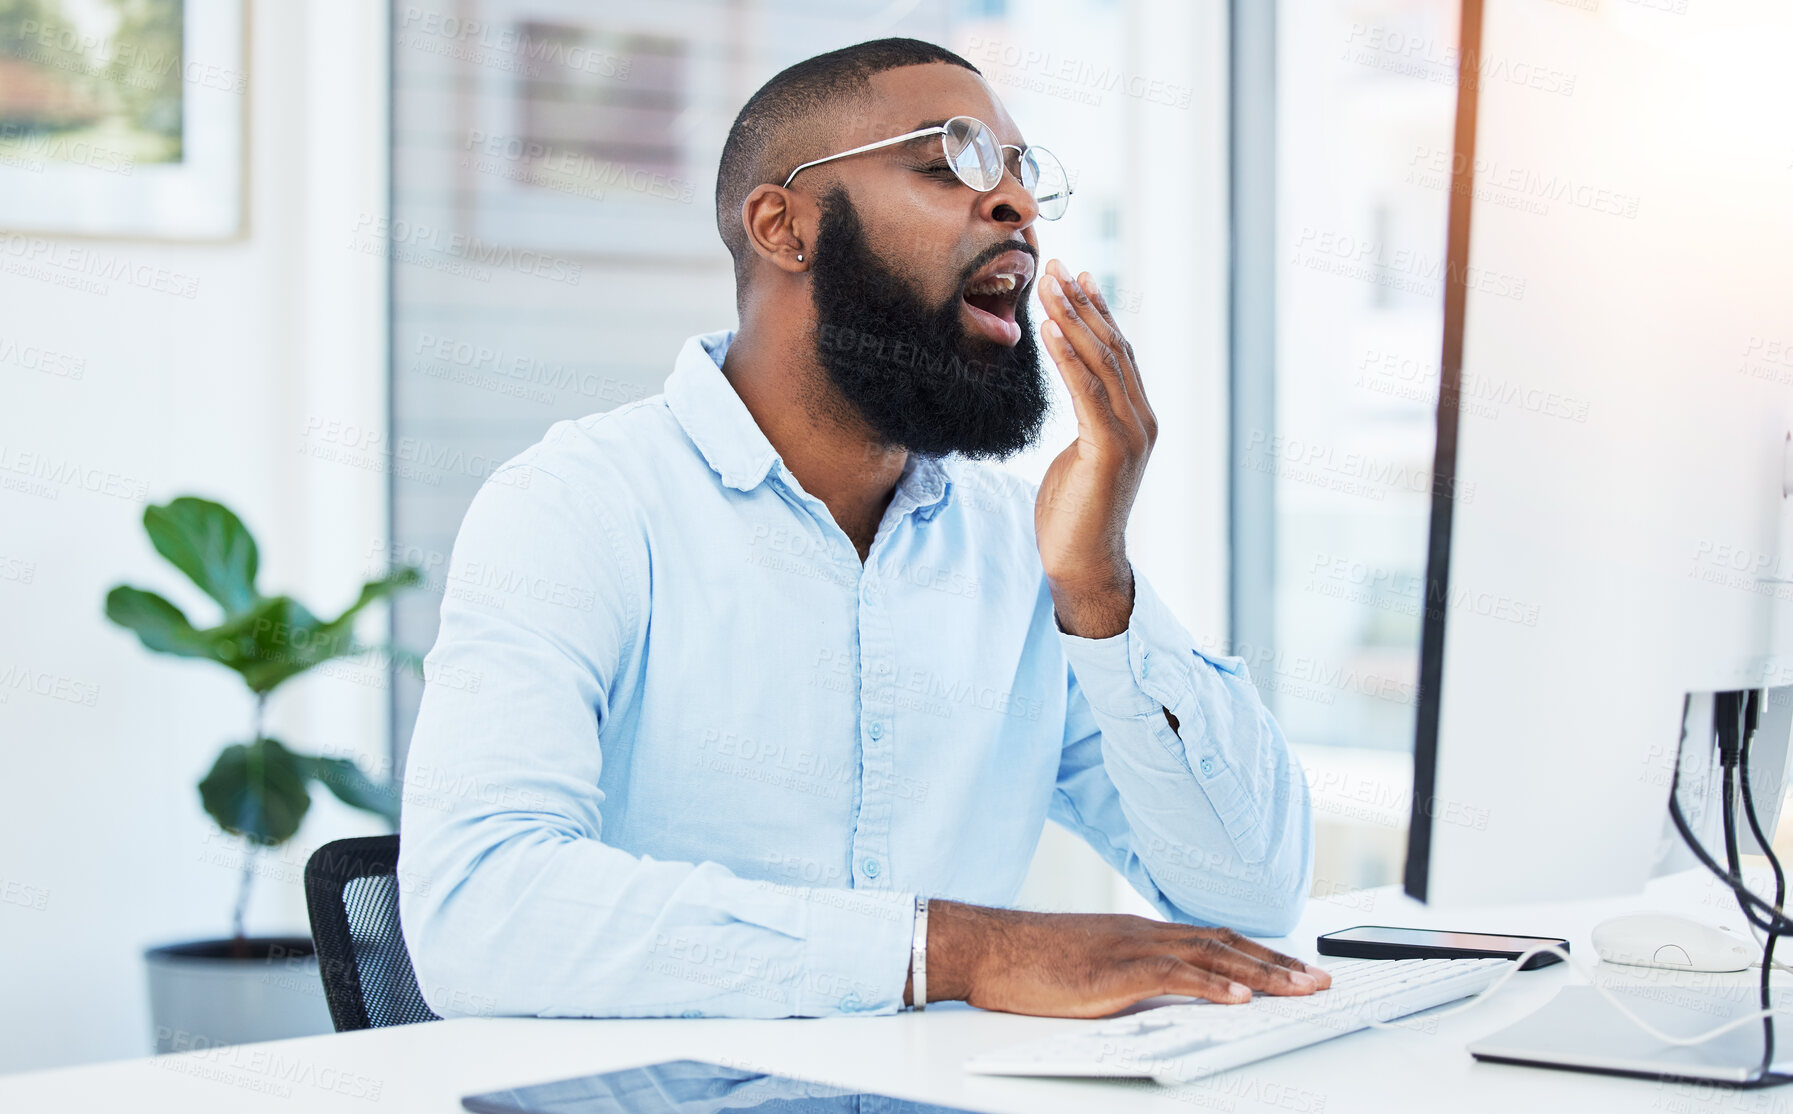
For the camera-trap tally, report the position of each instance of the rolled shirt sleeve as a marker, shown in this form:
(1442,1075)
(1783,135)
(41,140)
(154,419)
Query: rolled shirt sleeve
(1211,821)
(511,901)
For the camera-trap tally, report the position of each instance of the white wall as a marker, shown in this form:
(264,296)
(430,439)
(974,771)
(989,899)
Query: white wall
(100,816)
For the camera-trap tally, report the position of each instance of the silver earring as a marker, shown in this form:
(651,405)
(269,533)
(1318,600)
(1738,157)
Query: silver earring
(799,257)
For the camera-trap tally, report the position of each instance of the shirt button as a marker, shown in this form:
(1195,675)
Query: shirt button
(850,1002)
(1208,766)
(692,1013)
(872,868)
(877,731)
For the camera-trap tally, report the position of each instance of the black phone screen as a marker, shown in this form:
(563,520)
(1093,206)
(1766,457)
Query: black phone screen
(1438,938)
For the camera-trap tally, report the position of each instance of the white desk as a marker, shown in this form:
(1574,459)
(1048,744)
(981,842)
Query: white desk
(918,1056)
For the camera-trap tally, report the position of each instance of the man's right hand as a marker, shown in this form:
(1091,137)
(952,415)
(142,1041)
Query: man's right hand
(1090,965)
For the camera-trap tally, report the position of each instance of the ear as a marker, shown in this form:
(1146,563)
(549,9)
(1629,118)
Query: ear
(777,229)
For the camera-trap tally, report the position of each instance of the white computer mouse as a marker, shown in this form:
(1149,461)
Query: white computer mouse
(1672,941)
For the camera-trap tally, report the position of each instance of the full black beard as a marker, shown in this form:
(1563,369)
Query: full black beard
(912,371)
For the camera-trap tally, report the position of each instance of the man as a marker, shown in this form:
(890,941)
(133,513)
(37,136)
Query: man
(789,659)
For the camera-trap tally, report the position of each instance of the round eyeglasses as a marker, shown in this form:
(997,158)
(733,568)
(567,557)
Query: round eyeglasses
(979,161)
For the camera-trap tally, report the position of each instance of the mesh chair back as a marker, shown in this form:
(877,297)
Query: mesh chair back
(351,891)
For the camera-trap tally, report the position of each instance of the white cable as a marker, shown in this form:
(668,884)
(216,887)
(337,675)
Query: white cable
(1610,997)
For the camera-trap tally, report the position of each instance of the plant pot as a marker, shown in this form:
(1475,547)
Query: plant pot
(212,992)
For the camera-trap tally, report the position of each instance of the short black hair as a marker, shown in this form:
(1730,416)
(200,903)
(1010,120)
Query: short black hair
(768,137)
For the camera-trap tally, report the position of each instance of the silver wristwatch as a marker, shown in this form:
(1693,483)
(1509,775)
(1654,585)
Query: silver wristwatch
(918,957)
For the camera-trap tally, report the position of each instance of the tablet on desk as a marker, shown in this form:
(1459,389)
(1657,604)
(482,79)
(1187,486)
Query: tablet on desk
(687,1087)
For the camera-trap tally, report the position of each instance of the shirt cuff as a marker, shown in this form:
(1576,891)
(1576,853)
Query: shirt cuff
(1144,668)
(856,953)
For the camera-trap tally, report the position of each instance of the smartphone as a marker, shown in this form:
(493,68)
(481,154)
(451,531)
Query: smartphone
(1380,942)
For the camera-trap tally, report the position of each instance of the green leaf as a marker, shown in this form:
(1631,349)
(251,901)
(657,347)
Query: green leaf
(336,638)
(278,639)
(354,788)
(392,583)
(257,791)
(211,545)
(159,625)
(266,639)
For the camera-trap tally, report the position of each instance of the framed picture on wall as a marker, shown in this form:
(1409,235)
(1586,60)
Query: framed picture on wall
(123,118)
(581,135)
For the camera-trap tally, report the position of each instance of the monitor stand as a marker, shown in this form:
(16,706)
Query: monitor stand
(1579,1030)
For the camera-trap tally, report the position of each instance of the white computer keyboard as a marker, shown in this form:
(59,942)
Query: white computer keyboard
(1175,1044)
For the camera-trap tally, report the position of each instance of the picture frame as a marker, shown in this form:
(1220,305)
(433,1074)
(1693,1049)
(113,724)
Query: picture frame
(108,129)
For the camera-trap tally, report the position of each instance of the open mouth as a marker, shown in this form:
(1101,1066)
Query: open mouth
(993,294)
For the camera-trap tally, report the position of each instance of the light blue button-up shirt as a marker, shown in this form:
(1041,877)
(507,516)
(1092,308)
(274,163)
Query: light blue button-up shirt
(679,754)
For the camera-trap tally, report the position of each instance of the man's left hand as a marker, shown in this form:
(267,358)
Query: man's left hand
(1080,518)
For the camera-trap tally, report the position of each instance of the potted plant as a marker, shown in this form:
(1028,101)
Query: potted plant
(240,989)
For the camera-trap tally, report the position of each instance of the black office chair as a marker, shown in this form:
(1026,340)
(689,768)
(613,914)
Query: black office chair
(351,891)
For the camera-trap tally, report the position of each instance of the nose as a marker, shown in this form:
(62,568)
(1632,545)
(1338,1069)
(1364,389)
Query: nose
(1009,204)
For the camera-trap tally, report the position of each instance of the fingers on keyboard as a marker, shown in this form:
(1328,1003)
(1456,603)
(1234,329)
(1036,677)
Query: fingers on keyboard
(1315,978)
(1247,964)
(1171,975)
(1322,980)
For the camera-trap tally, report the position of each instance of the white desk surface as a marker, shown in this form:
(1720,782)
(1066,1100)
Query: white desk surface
(418,1068)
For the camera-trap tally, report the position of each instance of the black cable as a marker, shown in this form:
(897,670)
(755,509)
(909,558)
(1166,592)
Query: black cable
(1729,806)
(1726,712)
(1727,717)
(1751,717)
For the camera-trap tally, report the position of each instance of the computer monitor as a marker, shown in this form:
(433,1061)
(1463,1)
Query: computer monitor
(1610,529)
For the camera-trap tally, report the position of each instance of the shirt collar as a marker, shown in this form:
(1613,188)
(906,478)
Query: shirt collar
(714,417)
(719,424)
